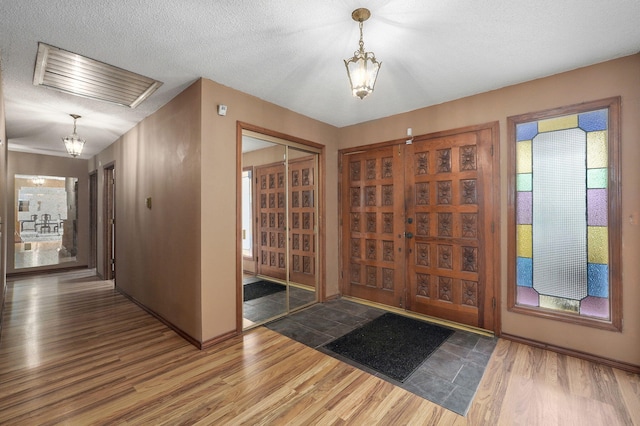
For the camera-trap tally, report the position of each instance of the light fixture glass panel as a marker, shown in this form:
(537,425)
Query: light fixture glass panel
(74,145)
(363,73)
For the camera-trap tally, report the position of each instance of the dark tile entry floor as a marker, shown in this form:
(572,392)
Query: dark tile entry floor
(449,377)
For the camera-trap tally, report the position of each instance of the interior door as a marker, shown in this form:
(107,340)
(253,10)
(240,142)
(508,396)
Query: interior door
(110,223)
(373,225)
(448,202)
(416,226)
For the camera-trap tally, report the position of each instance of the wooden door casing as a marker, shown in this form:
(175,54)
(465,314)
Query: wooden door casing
(373,225)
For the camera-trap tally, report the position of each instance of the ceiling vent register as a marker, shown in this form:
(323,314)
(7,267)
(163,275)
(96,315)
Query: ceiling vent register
(72,73)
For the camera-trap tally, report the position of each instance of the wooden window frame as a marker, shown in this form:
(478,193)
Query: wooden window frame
(614,215)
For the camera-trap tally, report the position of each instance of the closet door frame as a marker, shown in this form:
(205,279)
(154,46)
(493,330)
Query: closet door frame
(243,128)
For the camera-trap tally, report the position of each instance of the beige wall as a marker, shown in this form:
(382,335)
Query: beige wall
(157,249)
(613,78)
(219,271)
(47,165)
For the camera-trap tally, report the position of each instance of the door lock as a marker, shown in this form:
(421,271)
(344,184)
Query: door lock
(409,220)
(408,235)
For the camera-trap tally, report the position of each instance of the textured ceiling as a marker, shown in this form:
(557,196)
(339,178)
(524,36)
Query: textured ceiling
(290,52)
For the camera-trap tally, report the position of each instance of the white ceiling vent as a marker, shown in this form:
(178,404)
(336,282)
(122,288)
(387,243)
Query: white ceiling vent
(72,73)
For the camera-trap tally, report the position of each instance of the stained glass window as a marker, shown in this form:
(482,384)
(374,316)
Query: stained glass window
(561,167)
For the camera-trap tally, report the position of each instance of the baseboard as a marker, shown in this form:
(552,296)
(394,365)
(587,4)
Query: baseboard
(31,272)
(211,342)
(162,319)
(631,368)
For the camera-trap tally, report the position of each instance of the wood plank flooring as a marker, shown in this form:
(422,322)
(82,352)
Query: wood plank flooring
(74,351)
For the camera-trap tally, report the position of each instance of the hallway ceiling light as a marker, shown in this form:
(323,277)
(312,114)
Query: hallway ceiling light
(363,68)
(73,143)
(72,73)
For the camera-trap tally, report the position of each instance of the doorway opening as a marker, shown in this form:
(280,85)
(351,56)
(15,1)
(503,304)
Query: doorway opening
(280,214)
(46,226)
(109,272)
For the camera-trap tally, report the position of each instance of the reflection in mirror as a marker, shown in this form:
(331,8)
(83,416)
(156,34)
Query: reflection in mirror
(302,235)
(263,261)
(279,229)
(46,220)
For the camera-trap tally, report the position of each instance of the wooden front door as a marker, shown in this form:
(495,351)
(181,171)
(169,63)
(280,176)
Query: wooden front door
(373,225)
(449,214)
(417,226)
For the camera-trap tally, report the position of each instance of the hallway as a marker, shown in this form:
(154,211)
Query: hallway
(74,350)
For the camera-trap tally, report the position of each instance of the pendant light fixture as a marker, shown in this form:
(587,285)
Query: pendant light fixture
(73,143)
(363,68)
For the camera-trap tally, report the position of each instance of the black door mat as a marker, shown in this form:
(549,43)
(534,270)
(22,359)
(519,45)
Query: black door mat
(260,289)
(391,344)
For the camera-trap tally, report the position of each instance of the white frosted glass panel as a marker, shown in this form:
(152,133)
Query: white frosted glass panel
(559,214)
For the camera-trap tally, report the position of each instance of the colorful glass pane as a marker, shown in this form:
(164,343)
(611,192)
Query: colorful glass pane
(524,206)
(525,272)
(525,241)
(527,296)
(595,307)
(597,155)
(597,207)
(560,123)
(598,241)
(593,120)
(598,280)
(526,131)
(523,155)
(524,182)
(597,178)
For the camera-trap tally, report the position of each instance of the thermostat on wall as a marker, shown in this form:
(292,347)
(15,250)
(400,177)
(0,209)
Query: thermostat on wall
(222,110)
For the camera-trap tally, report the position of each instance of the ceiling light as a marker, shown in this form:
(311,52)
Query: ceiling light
(363,68)
(37,180)
(72,142)
(72,73)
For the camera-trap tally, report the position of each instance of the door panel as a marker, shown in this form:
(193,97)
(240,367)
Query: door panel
(302,220)
(271,221)
(373,224)
(447,253)
(416,226)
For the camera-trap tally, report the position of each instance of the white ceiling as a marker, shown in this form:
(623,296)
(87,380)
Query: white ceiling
(290,52)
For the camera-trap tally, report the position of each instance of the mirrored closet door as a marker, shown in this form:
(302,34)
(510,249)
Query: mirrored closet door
(279,227)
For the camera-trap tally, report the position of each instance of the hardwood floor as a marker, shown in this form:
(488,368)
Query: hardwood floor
(75,351)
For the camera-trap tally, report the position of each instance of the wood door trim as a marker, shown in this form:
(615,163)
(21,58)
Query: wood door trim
(93,219)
